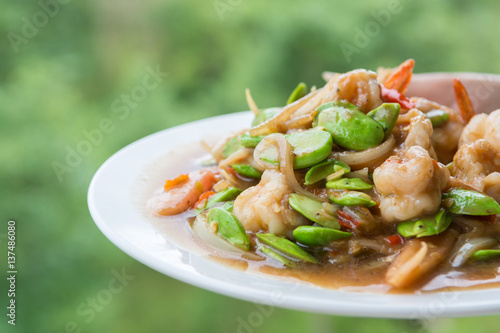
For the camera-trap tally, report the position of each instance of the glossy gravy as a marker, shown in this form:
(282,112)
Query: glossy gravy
(353,275)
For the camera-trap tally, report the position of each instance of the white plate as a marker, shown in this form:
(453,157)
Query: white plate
(114,211)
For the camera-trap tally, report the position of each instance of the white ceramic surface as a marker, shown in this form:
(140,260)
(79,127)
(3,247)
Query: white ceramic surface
(117,215)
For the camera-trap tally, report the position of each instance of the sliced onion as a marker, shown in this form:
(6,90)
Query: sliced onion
(301,121)
(285,162)
(218,147)
(464,253)
(358,244)
(251,102)
(236,157)
(302,106)
(221,185)
(264,145)
(471,225)
(361,174)
(235,181)
(457,182)
(361,158)
(286,167)
(245,154)
(253,163)
(328,76)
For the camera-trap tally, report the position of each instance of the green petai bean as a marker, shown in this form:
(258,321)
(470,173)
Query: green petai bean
(249,141)
(386,115)
(426,226)
(468,202)
(265,115)
(247,171)
(485,254)
(351,198)
(351,128)
(309,148)
(324,169)
(437,117)
(229,227)
(232,146)
(318,236)
(286,247)
(313,210)
(275,255)
(348,184)
(299,92)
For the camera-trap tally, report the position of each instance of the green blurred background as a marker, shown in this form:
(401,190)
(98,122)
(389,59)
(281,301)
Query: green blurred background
(62,73)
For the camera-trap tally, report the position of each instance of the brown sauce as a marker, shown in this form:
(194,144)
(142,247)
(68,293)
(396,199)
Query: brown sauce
(360,275)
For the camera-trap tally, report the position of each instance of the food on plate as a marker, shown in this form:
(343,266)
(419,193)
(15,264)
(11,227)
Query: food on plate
(353,178)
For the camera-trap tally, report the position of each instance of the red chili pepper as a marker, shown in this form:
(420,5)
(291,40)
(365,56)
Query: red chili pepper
(204,196)
(395,239)
(394,96)
(231,171)
(347,220)
(174,182)
(332,254)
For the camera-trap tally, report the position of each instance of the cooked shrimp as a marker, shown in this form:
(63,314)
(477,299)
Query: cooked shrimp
(463,101)
(410,185)
(478,163)
(475,129)
(483,126)
(265,206)
(491,185)
(182,193)
(419,258)
(359,87)
(398,78)
(492,132)
(444,137)
(304,106)
(474,161)
(419,130)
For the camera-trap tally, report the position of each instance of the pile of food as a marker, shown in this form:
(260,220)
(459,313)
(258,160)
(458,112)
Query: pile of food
(354,174)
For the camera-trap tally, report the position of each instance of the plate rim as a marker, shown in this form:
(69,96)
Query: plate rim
(256,295)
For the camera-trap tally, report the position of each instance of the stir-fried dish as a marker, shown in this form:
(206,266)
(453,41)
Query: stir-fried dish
(353,177)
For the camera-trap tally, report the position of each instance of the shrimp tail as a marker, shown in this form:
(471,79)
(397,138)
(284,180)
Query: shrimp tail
(463,100)
(401,77)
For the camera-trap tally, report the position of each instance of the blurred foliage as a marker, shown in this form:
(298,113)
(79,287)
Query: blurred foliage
(64,79)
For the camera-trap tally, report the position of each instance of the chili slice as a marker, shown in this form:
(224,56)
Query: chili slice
(395,239)
(394,96)
(347,220)
(176,181)
(203,197)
